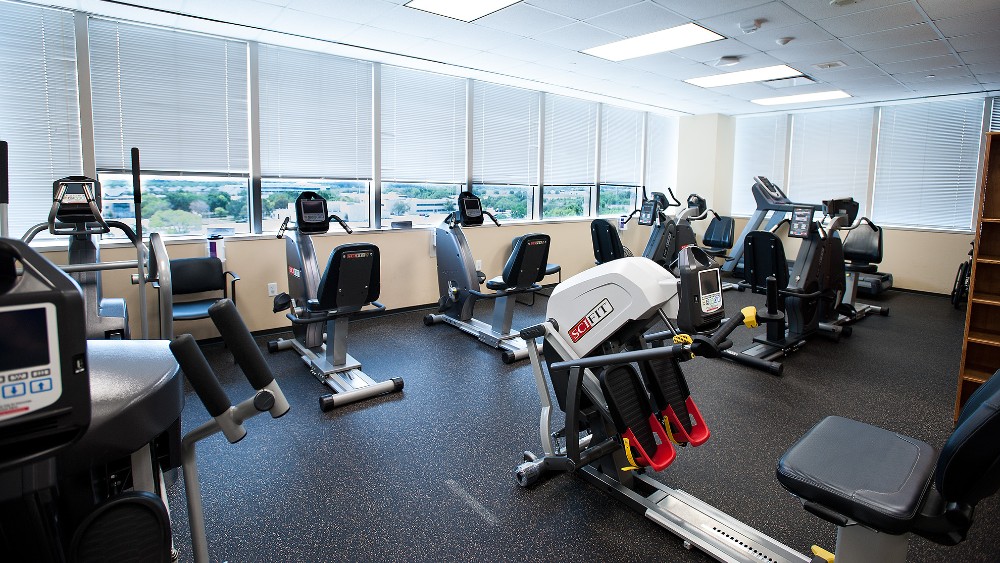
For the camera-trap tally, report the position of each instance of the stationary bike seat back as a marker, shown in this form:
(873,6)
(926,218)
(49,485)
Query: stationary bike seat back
(526,264)
(351,278)
(470,210)
(764,256)
(863,247)
(607,244)
(719,233)
(311,214)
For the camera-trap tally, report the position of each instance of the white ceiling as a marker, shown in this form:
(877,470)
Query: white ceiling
(892,49)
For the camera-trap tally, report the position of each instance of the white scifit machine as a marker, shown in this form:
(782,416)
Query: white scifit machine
(627,404)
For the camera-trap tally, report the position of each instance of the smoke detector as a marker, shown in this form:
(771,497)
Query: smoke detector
(829,65)
(783,40)
(728,60)
(750,26)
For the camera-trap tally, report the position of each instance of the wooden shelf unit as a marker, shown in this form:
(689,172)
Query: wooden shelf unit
(981,344)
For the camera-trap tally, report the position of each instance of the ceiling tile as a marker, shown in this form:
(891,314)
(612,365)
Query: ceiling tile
(919,65)
(490,61)
(416,22)
(979,56)
(774,15)
(871,21)
(818,10)
(984,68)
(637,20)
(802,34)
(347,10)
(940,9)
(979,22)
(441,51)
(578,36)
(700,9)
(479,37)
(714,50)
(381,39)
(908,52)
(955,86)
(666,64)
(975,41)
(815,53)
(581,9)
(258,14)
(892,37)
(852,60)
(871,81)
(527,50)
(523,19)
(989,77)
(849,73)
(879,89)
(940,75)
(312,25)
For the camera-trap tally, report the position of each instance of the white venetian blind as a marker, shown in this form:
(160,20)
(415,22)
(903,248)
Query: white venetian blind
(928,155)
(621,146)
(423,126)
(995,117)
(661,152)
(830,155)
(315,115)
(570,140)
(180,97)
(39,108)
(759,150)
(505,134)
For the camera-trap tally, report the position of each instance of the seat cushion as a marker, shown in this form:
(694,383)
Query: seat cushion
(191,310)
(496,284)
(873,476)
(552,269)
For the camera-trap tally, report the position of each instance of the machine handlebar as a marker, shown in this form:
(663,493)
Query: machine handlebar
(677,202)
(342,223)
(622,357)
(199,373)
(490,215)
(4,171)
(241,343)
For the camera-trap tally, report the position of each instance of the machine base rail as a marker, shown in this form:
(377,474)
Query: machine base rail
(515,348)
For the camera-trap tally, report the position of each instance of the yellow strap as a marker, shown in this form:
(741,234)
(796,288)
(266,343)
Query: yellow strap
(750,316)
(666,426)
(682,339)
(628,454)
(822,554)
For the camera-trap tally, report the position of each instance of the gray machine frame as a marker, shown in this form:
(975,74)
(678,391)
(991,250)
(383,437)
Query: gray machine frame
(323,345)
(457,276)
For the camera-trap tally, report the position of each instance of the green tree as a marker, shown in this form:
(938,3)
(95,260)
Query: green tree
(399,207)
(152,203)
(175,221)
(237,208)
(180,199)
(216,199)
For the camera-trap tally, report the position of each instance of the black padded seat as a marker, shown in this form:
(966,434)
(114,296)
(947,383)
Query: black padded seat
(873,476)
(136,393)
(351,279)
(198,275)
(719,234)
(551,269)
(607,243)
(526,265)
(863,247)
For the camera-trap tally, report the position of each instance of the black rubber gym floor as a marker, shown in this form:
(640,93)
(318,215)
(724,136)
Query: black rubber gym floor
(426,475)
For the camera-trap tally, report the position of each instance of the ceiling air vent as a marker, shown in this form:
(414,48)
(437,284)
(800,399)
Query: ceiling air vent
(789,82)
(830,65)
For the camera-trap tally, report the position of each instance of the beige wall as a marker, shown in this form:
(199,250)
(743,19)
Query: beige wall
(705,159)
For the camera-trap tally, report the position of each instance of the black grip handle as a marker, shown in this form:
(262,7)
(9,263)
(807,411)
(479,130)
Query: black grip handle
(727,328)
(4,173)
(200,374)
(241,343)
(532,332)
(342,223)
(137,191)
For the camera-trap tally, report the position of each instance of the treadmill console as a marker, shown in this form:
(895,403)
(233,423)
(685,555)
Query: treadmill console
(801,221)
(647,214)
(767,191)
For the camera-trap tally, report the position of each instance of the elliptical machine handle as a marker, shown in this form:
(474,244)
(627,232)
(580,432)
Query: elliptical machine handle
(676,202)
(282,228)
(342,223)
(490,215)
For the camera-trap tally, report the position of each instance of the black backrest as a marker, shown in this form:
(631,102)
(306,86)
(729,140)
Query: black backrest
(719,233)
(968,469)
(863,245)
(664,240)
(607,243)
(351,278)
(764,256)
(195,275)
(526,264)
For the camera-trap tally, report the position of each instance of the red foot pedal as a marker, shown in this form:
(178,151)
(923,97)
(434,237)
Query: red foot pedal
(634,418)
(670,393)
(698,433)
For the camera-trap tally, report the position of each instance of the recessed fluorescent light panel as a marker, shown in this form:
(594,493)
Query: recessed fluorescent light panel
(801,98)
(744,76)
(465,10)
(657,42)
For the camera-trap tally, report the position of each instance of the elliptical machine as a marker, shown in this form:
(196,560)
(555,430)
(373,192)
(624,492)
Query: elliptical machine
(460,283)
(349,283)
(661,247)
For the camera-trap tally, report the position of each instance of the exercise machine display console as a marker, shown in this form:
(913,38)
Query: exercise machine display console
(648,212)
(30,374)
(801,221)
(312,211)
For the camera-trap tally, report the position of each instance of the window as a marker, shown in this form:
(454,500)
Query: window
(345,198)
(177,205)
(661,152)
(759,151)
(423,144)
(182,99)
(830,156)
(39,111)
(316,131)
(617,200)
(508,202)
(621,157)
(505,148)
(926,164)
(570,156)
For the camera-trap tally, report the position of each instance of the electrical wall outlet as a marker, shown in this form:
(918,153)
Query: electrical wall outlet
(479,265)
(272,289)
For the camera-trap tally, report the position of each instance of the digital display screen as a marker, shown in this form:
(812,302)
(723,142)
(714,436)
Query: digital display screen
(472,204)
(76,192)
(646,214)
(801,221)
(25,341)
(710,281)
(312,206)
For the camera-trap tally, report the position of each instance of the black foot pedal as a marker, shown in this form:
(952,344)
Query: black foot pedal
(666,383)
(635,419)
(133,526)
